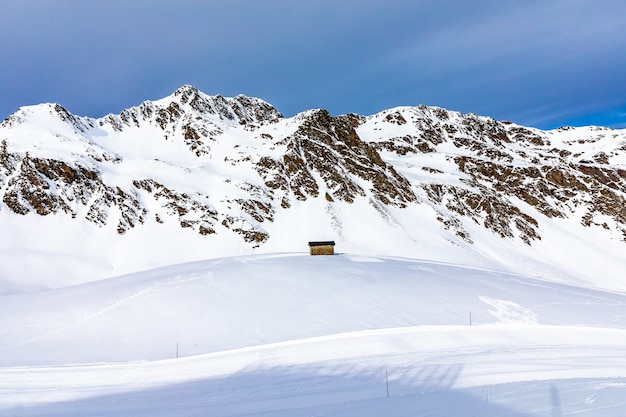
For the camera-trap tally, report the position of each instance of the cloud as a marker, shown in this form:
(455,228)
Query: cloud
(526,61)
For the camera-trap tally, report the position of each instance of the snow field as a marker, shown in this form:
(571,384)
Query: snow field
(348,371)
(292,335)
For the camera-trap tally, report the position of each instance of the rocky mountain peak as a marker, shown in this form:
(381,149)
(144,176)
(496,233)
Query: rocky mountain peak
(240,109)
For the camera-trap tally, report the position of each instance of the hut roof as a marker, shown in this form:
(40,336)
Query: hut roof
(322,243)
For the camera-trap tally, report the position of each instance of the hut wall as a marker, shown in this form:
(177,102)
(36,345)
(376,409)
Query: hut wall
(322,250)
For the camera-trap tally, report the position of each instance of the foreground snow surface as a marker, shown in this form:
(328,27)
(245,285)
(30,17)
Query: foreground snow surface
(294,335)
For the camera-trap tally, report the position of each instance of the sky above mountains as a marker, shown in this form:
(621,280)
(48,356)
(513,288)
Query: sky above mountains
(541,63)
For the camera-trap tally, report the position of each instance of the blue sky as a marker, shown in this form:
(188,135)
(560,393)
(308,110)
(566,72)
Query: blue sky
(541,63)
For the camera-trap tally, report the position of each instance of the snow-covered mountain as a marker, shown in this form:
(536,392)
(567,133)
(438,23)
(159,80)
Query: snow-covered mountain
(193,176)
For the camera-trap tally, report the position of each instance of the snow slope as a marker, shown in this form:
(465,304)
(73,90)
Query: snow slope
(293,335)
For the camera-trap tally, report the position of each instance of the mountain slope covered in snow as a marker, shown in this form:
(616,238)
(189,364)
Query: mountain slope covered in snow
(193,176)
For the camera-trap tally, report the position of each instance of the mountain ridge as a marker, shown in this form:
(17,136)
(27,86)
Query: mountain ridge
(242,177)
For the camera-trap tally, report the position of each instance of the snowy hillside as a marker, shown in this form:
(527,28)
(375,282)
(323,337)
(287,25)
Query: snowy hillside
(192,176)
(293,335)
(154,263)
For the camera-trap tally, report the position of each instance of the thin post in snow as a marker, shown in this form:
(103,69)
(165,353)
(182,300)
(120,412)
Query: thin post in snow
(176,350)
(470,318)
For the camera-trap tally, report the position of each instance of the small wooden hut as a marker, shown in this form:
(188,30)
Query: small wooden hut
(322,248)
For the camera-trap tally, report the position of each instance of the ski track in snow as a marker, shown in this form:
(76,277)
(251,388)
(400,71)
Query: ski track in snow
(87,317)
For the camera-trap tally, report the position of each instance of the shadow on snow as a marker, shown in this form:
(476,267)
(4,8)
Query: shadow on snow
(294,391)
